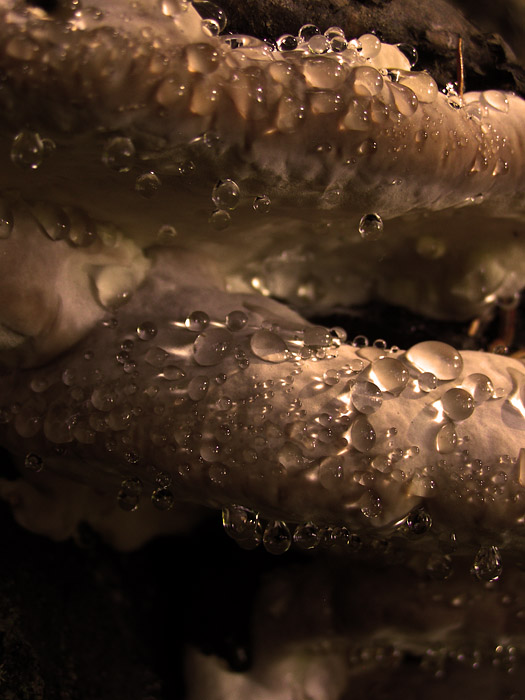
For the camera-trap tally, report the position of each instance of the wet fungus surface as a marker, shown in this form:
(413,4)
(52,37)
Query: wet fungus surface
(188,217)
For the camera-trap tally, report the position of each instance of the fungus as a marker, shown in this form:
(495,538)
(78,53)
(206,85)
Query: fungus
(195,179)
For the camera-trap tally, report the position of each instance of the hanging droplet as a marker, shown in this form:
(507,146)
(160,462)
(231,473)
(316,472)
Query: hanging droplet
(277,538)
(240,523)
(268,346)
(226,194)
(307,536)
(262,204)
(214,18)
(119,154)
(487,564)
(129,495)
(146,330)
(162,499)
(371,227)
(147,185)
(442,360)
(27,150)
(33,462)
(458,404)
(220,220)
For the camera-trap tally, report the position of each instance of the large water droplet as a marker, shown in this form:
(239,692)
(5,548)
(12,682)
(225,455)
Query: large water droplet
(480,386)
(366,397)
(212,346)
(362,434)
(262,204)
(389,375)
(371,227)
(458,404)
(236,320)
(213,17)
(240,523)
(277,538)
(27,150)
(418,522)
(226,194)
(119,154)
(268,346)
(487,564)
(147,184)
(307,536)
(442,360)
(446,439)
(146,330)
(129,495)
(33,462)
(162,499)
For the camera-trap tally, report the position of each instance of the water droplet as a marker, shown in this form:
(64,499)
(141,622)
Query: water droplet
(479,386)
(220,220)
(487,564)
(318,44)
(366,397)
(214,18)
(317,336)
(458,404)
(103,398)
(129,495)
(262,204)
(389,375)
(167,235)
(212,346)
(418,522)
(236,320)
(307,536)
(197,321)
(198,387)
(53,220)
(410,52)
(287,42)
(370,45)
(119,154)
(240,523)
(33,462)
(277,538)
(114,285)
(371,227)
(27,150)
(439,566)
(162,499)
(446,439)
(156,357)
(147,184)
(268,346)
(338,44)
(442,360)
(226,194)
(331,377)
(146,330)
(307,31)
(368,82)
(362,434)
(496,99)
(331,473)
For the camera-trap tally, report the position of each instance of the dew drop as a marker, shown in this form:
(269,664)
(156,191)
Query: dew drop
(277,538)
(366,397)
(156,357)
(418,522)
(331,473)
(236,320)
(441,359)
(129,494)
(479,386)
(212,346)
(307,536)
(446,439)
(307,31)
(487,564)
(226,194)
(146,330)
(167,235)
(114,285)
(370,45)
(287,42)
(496,99)
(268,346)
(371,227)
(147,184)
(162,499)
(262,204)
(27,150)
(331,377)
(53,220)
(240,523)
(458,404)
(197,321)
(362,434)
(33,462)
(427,382)
(410,52)
(213,15)
(389,375)
(119,154)
(318,44)
(220,220)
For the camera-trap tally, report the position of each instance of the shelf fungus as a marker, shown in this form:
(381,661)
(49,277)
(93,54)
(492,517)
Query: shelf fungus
(175,202)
